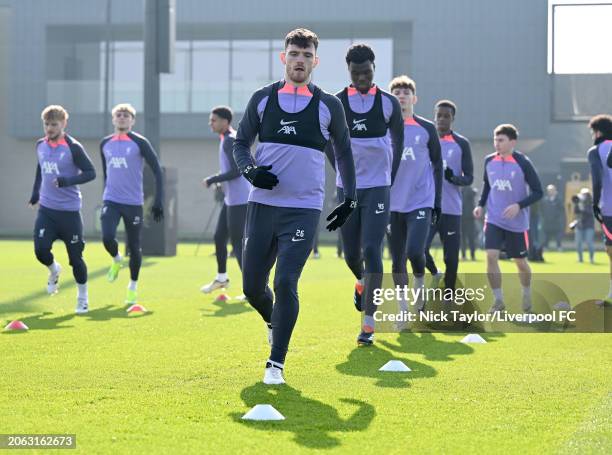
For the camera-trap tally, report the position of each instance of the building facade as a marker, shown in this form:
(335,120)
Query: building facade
(489,56)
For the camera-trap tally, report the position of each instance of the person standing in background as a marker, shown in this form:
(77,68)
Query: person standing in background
(553,217)
(468,224)
(585,223)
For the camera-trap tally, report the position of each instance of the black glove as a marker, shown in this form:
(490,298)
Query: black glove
(436,213)
(219,194)
(158,212)
(61,182)
(340,214)
(261,177)
(597,213)
(448,175)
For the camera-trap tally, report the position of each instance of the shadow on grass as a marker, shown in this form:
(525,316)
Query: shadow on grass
(108,312)
(224,309)
(310,421)
(66,282)
(41,322)
(365,362)
(427,345)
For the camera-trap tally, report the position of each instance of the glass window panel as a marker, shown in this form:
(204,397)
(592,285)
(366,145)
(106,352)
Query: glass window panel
(581,38)
(127,73)
(278,69)
(175,86)
(73,76)
(210,75)
(331,74)
(250,70)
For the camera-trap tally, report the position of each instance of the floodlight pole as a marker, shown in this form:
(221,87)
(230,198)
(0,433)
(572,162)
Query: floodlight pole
(151,75)
(107,60)
(159,41)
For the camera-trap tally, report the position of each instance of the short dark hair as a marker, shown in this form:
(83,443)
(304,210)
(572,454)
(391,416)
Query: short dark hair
(359,53)
(603,124)
(447,103)
(507,129)
(402,81)
(225,112)
(302,37)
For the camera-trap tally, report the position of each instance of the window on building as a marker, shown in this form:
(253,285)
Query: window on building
(206,73)
(249,70)
(176,86)
(210,74)
(579,37)
(127,73)
(578,47)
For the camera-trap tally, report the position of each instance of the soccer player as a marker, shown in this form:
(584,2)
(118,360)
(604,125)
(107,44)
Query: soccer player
(601,131)
(294,119)
(370,113)
(63,164)
(507,175)
(236,189)
(458,171)
(123,156)
(416,192)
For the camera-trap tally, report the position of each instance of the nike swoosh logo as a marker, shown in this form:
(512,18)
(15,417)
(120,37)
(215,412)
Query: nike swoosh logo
(296,240)
(74,241)
(379,211)
(282,122)
(420,217)
(355,122)
(450,233)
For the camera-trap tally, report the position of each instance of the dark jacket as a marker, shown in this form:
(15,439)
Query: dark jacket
(553,214)
(584,213)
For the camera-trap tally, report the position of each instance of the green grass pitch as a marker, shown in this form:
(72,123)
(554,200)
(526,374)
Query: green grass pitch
(178,379)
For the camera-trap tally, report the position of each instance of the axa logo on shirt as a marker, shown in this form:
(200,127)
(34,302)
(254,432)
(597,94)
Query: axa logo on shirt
(502,185)
(287,127)
(359,125)
(117,162)
(49,167)
(408,152)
